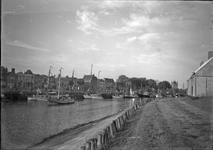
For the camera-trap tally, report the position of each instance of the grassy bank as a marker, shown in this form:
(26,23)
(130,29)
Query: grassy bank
(204,103)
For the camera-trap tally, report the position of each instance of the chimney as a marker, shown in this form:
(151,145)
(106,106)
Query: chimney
(210,54)
(201,63)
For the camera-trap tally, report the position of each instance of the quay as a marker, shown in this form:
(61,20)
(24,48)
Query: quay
(167,123)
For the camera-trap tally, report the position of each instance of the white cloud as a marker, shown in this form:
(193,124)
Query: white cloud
(111,4)
(87,20)
(149,36)
(131,39)
(122,65)
(92,47)
(70,40)
(27,46)
(144,21)
(121,45)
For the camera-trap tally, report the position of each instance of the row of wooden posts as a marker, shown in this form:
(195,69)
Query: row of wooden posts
(103,139)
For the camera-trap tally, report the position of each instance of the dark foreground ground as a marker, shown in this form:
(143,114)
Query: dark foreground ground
(172,123)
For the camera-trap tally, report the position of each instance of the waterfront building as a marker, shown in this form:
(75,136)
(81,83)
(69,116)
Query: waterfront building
(90,83)
(110,85)
(11,79)
(67,84)
(101,86)
(200,82)
(40,81)
(25,81)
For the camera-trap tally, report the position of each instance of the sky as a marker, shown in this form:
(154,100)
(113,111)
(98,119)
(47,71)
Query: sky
(160,40)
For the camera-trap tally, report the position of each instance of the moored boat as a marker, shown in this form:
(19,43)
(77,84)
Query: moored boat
(61,99)
(57,98)
(116,96)
(87,96)
(96,96)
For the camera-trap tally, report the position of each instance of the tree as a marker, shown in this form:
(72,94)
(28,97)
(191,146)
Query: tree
(4,71)
(136,83)
(151,85)
(164,86)
(122,78)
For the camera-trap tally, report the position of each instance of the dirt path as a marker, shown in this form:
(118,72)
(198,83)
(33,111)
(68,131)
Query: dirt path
(167,124)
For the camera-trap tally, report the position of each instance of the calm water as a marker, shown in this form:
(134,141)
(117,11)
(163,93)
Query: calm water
(27,123)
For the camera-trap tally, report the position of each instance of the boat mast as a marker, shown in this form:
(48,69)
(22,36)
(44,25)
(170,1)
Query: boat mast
(72,80)
(48,79)
(59,83)
(91,68)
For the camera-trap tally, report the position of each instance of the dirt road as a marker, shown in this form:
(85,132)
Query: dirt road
(171,123)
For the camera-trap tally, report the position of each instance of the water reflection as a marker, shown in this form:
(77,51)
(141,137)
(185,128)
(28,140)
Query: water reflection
(27,123)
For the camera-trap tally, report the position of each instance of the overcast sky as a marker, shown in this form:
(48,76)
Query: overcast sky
(156,40)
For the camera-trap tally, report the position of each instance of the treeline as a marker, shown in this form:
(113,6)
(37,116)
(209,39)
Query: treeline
(149,85)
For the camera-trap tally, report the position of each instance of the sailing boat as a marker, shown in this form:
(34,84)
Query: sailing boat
(59,99)
(130,95)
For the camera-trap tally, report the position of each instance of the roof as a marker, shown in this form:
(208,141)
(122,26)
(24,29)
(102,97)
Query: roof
(109,80)
(87,78)
(20,72)
(101,80)
(28,72)
(204,64)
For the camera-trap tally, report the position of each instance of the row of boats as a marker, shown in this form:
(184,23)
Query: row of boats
(55,98)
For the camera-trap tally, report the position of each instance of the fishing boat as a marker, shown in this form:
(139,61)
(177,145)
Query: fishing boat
(116,96)
(38,97)
(96,96)
(130,95)
(87,96)
(57,98)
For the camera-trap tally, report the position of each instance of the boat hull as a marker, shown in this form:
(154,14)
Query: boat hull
(116,97)
(38,98)
(87,96)
(61,100)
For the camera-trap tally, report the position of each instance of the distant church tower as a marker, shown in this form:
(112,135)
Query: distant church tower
(174,84)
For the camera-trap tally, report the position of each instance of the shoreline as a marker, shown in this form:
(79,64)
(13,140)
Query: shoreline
(70,130)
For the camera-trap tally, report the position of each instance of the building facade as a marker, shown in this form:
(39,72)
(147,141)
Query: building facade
(25,80)
(110,85)
(90,83)
(200,84)
(11,79)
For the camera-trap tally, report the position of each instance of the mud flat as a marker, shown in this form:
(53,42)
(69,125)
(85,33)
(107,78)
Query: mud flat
(172,123)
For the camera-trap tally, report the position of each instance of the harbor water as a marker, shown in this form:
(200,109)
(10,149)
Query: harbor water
(24,124)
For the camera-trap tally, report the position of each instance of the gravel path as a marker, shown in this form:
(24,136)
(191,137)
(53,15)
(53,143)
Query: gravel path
(166,124)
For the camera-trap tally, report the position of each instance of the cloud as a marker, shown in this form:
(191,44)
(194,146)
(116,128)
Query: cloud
(121,45)
(87,20)
(122,65)
(151,41)
(92,47)
(70,40)
(131,39)
(27,46)
(111,4)
(144,21)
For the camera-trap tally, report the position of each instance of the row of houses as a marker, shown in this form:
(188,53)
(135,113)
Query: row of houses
(30,82)
(200,83)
